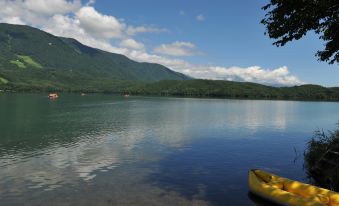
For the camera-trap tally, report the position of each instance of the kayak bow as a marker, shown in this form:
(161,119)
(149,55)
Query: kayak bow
(284,191)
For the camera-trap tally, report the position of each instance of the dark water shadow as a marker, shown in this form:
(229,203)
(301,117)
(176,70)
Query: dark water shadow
(259,201)
(215,169)
(212,170)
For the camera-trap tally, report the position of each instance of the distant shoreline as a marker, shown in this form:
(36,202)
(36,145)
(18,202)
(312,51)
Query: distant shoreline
(171,96)
(196,88)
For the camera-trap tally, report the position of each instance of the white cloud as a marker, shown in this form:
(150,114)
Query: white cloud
(51,7)
(13,20)
(65,26)
(131,30)
(177,48)
(100,25)
(90,27)
(34,12)
(279,76)
(132,44)
(200,17)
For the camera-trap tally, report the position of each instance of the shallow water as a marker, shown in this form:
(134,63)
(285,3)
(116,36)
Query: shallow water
(107,150)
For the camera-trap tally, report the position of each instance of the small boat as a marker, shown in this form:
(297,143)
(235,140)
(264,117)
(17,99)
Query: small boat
(126,95)
(284,191)
(53,95)
(83,94)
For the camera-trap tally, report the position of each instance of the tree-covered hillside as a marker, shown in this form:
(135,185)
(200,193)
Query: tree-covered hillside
(32,58)
(229,89)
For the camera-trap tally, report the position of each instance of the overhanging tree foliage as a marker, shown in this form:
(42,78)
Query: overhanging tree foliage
(288,20)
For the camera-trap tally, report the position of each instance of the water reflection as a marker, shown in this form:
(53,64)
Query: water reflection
(255,114)
(109,150)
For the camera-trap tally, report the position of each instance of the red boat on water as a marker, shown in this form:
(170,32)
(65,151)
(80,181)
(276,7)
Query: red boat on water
(53,95)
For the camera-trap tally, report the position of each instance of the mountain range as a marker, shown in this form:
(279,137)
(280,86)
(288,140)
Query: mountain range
(33,58)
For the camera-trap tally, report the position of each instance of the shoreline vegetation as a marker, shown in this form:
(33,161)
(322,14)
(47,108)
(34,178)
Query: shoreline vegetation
(321,159)
(193,88)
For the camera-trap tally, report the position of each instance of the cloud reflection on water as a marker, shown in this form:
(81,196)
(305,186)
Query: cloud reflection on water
(87,141)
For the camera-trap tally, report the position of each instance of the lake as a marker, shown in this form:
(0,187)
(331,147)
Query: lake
(109,150)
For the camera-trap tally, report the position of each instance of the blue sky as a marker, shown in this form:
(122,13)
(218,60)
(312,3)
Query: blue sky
(206,39)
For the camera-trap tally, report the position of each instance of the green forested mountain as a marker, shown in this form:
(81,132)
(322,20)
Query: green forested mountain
(230,89)
(31,58)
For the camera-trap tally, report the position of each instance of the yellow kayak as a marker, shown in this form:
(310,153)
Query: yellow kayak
(284,191)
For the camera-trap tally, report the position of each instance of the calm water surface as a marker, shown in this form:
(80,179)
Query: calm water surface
(107,150)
